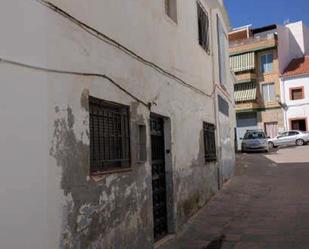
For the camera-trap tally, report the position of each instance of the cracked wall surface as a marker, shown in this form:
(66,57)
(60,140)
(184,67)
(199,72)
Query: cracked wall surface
(45,148)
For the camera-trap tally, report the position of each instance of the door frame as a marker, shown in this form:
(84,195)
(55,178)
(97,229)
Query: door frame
(170,204)
(296,119)
(273,122)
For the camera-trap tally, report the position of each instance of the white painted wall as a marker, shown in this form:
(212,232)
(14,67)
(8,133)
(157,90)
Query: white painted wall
(296,108)
(33,205)
(293,43)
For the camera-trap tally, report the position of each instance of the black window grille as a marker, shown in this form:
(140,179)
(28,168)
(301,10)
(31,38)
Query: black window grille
(203,27)
(210,142)
(223,106)
(109,136)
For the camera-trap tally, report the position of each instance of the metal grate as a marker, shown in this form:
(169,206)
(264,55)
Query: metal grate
(210,142)
(158,178)
(203,27)
(223,106)
(109,136)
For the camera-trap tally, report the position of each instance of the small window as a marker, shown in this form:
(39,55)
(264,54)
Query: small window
(203,27)
(268,92)
(109,136)
(266,63)
(209,142)
(297,93)
(223,106)
(171,9)
(142,153)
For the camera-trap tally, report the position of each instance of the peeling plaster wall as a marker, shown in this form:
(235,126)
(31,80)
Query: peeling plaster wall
(48,199)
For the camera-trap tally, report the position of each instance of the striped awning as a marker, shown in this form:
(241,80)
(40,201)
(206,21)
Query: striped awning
(242,62)
(245,91)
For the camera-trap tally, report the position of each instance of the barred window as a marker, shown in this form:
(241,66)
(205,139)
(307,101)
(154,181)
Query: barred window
(210,142)
(109,136)
(223,106)
(203,27)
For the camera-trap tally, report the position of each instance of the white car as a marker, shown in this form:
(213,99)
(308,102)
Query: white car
(289,138)
(254,140)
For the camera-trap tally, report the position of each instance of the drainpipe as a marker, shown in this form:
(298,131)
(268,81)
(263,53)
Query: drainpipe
(284,105)
(219,169)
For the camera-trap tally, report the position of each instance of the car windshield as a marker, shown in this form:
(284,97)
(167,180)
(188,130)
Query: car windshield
(254,135)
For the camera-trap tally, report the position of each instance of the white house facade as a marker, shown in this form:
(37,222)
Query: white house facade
(295,94)
(117,120)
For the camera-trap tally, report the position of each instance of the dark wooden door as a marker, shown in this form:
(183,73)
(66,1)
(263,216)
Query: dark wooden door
(158,177)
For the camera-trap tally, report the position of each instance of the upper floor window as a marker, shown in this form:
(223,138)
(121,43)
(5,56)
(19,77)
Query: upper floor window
(268,92)
(297,93)
(266,63)
(203,27)
(171,9)
(109,136)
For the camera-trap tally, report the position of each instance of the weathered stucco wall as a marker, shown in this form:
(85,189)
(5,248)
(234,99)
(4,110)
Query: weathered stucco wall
(49,199)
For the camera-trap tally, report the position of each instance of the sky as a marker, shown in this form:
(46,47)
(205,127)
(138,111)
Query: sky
(264,12)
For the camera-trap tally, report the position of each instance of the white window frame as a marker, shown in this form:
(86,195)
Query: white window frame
(268,92)
(268,63)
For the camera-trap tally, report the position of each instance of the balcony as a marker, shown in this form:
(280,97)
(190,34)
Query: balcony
(245,77)
(258,42)
(246,106)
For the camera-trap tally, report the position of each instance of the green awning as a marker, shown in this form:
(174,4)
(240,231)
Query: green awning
(242,62)
(245,91)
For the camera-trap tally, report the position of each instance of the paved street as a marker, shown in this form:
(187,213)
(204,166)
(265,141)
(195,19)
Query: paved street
(265,206)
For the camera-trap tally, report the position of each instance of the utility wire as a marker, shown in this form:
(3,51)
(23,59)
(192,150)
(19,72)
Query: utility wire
(148,105)
(116,44)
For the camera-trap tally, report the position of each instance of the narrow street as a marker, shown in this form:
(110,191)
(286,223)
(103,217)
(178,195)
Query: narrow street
(265,206)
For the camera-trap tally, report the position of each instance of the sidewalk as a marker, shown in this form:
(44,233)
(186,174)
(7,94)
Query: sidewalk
(265,206)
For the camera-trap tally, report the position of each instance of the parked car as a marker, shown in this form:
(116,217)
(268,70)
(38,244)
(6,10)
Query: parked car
(254,140)
(289,138)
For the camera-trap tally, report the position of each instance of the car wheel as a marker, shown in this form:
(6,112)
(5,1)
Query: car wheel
(271,145)
(300,142)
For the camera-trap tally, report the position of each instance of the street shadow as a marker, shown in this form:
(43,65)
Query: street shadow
(217,243)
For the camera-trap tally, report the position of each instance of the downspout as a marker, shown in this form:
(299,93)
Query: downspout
(219,170)
(285,108)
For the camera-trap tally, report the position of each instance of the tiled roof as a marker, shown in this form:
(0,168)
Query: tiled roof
(245,92)
(297,67)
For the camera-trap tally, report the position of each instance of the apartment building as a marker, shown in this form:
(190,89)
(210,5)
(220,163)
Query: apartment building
(117,119)
(255,62)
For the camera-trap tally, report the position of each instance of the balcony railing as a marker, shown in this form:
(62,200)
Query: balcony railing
(255,39)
